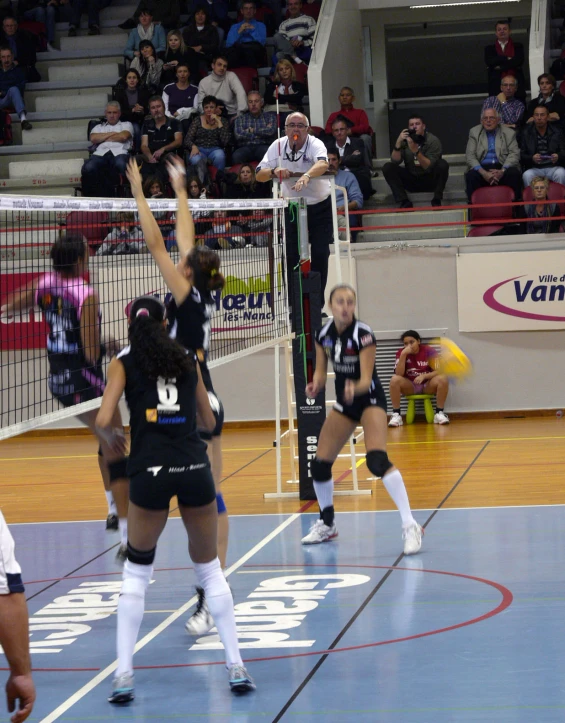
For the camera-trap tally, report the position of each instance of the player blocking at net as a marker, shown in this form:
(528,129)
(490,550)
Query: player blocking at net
(350,345)
(164,392)
(75,351)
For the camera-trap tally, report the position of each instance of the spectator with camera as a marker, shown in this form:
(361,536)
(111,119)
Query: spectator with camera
(493,156)
(511,109)
(424,168)
(542,149)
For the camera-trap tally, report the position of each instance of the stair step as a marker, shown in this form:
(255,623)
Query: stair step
(57,134)
(74,100)
(83,73)
(92,42)
(70,167)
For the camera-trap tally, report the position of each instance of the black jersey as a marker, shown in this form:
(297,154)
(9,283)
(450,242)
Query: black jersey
(162,419)
(343,351)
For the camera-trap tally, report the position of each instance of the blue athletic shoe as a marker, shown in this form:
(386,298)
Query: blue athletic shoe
(123,690)
(240,680)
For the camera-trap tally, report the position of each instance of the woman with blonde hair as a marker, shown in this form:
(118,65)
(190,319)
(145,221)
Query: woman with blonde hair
(290,92)
(541,214)
(175,54)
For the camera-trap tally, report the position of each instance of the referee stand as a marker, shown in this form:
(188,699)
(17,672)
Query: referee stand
(295,383)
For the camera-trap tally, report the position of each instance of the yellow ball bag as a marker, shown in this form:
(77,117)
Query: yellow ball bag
(452,360)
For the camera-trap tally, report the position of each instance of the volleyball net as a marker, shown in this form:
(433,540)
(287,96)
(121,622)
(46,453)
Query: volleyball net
(249,314)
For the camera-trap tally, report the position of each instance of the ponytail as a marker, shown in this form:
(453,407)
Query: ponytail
(205,265)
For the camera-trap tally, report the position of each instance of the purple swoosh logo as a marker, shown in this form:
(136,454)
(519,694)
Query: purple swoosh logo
(490,301)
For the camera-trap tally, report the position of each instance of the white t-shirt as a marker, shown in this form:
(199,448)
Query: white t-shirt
(318,189)
(115,147)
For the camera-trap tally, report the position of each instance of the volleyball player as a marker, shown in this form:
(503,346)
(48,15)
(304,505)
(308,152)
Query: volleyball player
(164,391)
(190,325)
(350,345)
(74,351)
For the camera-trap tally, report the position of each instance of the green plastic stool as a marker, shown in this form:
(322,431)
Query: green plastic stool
(428,408)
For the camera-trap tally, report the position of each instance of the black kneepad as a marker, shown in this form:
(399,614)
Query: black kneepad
(141,558)
(378,462)
(321,471)
(118,469)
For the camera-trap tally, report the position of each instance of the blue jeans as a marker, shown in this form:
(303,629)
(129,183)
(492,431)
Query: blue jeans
(215,156)
(554,173)
(14,99)
(46,16)
(99,174)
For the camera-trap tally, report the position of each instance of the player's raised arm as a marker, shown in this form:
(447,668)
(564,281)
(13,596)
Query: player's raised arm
(185,234)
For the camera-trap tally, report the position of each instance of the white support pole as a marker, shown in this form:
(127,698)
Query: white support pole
(278,417)
(337,253)
(289,398)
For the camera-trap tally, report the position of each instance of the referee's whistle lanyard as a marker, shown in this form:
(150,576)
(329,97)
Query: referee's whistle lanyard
(295,155)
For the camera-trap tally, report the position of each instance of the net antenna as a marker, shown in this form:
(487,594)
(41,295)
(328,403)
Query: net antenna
(249,314)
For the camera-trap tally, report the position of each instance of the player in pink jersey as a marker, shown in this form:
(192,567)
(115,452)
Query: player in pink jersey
(415,373)
(75,351)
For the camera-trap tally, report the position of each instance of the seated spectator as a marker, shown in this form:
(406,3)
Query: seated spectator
(22,45)
(181,98)
(206,139)
(201,39)
(160,137)
(510,108)
(146,30)
(80,7)
(504,59)
(541,214)
(415,373)
(493,156)
(175,53)
(346,179)
(124,238)
(424,168)
(290,92)
(133,98)
(352,154)
(360,128)
(148,65)
(225,87)
(254,130)
(202,219)
(166,12)
(295,35)
(12,86)
(224,234)
(551,99)
(154,188)
(256,225)
(47,13)
(542,149)
(246,40)
(113,140)
(217,11)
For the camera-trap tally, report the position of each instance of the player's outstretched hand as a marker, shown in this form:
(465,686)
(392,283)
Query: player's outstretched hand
(177,173)
(20,688)
(134,178)
(312,390)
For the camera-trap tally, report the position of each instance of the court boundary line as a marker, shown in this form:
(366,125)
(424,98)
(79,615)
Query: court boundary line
(369,597)
(109,669)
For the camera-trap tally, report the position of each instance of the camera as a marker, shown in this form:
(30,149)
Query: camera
(417,138)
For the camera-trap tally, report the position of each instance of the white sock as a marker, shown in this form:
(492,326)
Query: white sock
(220,604)
(123,525)
(324,493)
(112,510)
(131,606)
(395,487)
(23,116)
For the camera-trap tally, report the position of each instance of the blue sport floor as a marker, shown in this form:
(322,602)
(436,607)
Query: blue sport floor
(471,629)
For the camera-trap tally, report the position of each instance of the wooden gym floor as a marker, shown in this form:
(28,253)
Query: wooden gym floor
(484,463)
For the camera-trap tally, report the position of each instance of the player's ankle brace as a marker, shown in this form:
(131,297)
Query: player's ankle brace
(222,509)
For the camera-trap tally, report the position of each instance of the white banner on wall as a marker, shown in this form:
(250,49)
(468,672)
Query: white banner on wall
(513,291)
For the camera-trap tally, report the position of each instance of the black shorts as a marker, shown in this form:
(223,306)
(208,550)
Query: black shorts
(192,484)
(374,398)
(215,404)
(72,387)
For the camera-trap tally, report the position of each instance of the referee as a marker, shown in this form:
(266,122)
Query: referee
(298,159)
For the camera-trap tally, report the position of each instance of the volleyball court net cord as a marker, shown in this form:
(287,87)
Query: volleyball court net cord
(249,314)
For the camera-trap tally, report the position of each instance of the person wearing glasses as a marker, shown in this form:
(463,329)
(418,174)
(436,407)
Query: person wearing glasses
(511,109)
(297,161)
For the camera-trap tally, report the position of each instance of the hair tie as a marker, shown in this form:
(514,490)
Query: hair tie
(142,312)
(213,272)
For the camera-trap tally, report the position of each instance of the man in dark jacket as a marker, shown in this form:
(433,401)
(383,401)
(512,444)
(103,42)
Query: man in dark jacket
(352,154)
(12,84)
(22,45)
(505,58)
(542,149)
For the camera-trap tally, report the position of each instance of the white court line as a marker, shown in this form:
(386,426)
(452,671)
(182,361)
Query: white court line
(103,674)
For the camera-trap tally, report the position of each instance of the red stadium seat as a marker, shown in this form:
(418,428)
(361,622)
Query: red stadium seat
(93,226)
(555,192)
(301,70)
(491,194)
(249,78)
(38,30)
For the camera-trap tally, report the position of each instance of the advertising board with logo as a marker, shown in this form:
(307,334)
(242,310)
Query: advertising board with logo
(514,291)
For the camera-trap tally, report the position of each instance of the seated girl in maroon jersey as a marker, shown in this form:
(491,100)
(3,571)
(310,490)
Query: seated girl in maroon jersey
(414,373)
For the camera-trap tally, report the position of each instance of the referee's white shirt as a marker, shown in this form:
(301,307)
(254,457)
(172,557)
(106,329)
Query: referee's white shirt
(318,189)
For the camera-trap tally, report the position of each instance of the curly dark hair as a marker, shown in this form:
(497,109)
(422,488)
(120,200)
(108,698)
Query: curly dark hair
(66,252)
(205,265)
(156,354)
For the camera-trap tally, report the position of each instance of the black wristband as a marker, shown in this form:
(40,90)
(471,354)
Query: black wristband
(397,149)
